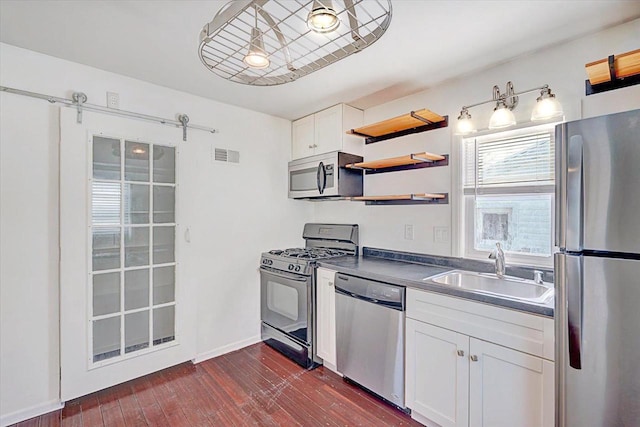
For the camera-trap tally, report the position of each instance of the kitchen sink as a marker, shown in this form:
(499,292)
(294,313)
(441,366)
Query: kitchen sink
(486,283)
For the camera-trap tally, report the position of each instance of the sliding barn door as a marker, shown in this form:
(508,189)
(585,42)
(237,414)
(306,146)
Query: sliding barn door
(127,306)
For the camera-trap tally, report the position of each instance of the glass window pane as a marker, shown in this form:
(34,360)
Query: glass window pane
(520,223)
(106,158)
(164,202)
(136,204)
(105,203)
(163,325)
(136,246)
(106,248)
(163,244)
(106,293)
(106,338)
(136,161)
(164,164)
(136,331)
(164,282)
(136,289)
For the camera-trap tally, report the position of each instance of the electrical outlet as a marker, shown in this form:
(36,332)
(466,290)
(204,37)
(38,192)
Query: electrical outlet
(408,231)
(113,100)
(441,234)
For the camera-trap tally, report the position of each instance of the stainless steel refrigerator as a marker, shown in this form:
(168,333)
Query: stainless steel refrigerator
(597,272)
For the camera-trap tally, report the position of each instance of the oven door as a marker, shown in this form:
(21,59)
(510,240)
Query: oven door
(313,177)
(285,303)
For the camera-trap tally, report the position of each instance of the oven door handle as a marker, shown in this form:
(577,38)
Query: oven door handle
(294,277)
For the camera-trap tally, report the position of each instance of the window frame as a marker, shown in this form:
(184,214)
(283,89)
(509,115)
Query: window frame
(123,269)
(466,202)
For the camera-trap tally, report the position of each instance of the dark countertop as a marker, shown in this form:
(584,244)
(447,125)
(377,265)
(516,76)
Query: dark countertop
(410,274)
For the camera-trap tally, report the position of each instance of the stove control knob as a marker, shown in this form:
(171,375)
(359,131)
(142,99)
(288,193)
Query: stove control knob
(291,266)
(297,268)
(270,261)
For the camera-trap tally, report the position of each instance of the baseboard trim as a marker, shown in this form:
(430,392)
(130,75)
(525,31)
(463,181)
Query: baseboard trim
(34,411)
(226,349)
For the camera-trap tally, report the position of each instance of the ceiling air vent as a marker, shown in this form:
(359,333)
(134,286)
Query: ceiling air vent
(227,156)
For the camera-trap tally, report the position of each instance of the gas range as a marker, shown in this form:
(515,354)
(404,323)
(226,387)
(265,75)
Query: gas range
(288,289)
(299,260)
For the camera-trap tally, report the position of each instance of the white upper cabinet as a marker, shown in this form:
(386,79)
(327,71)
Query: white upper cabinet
(325,131)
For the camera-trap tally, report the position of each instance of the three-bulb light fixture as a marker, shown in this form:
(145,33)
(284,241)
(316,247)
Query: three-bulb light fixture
(547,107)
(322,19)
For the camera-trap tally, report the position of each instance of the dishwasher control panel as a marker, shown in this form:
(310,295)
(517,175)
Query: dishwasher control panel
(376,292)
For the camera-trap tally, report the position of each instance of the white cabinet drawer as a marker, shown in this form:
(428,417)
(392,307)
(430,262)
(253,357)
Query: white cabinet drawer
(524,332)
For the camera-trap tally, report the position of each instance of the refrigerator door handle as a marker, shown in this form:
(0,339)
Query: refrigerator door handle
(574,195)
(574,273)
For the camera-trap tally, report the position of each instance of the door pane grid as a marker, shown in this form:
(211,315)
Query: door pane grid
(141,323)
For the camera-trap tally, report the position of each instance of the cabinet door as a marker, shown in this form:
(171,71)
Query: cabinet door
(302,138)
(328,130)
(326,317)
(508,388)
(437,385)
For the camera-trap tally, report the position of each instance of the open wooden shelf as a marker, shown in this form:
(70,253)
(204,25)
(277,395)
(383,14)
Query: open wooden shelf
(411,161)
(413,122)
(614,72)
(405,199)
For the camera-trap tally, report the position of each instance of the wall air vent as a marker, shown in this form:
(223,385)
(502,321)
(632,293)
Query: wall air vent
(227,156)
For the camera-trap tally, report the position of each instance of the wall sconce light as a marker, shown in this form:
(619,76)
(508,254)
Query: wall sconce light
(547,107)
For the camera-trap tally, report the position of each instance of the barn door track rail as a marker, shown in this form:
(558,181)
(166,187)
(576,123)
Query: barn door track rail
(79,101)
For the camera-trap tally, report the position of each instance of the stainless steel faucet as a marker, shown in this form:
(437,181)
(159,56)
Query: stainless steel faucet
(498,255)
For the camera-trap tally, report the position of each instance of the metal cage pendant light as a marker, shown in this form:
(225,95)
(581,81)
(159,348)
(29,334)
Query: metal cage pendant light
(295,38)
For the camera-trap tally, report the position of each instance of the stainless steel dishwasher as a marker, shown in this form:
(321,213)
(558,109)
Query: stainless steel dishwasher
(370,335)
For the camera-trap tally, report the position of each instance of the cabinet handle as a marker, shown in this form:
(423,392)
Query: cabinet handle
(330,283)
(473,358)
(461,353)
(315,145)
(311,146)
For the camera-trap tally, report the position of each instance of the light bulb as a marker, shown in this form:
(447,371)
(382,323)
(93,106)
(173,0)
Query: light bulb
(547,106)
(322,18)
(502,117)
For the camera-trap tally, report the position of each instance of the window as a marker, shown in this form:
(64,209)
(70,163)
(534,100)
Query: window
(132,248)
(508,192)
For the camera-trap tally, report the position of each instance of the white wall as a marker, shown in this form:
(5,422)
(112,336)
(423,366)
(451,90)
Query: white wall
(243,210)
(562,67)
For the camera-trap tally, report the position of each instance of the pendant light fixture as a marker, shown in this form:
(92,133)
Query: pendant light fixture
(323,17)
(256,57)
(547,107)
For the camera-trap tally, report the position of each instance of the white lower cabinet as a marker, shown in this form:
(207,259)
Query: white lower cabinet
(454,379)
(326,317)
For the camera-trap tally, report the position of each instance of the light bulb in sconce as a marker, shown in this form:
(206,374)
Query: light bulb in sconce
(502,116)
(464,125)
(547,106)
(256,57)
(323,17)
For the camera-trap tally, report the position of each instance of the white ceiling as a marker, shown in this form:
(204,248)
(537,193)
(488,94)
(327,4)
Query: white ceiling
(427,42)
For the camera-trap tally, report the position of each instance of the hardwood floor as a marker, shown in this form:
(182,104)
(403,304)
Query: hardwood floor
(252,386)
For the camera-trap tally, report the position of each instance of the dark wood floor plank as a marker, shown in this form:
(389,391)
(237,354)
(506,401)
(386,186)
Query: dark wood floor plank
(254,386)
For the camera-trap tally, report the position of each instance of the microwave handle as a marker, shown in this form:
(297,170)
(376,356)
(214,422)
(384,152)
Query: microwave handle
(321,172)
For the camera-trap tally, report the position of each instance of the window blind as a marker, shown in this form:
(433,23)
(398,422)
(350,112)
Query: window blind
(509,164)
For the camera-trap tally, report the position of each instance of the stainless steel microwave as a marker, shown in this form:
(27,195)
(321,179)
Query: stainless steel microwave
(325,176)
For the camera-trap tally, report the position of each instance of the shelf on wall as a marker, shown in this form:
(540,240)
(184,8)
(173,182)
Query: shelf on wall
(394,164)
(614,72)
(413,122)
(405,199)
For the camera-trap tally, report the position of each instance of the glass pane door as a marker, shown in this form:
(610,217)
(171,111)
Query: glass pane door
(133,268)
